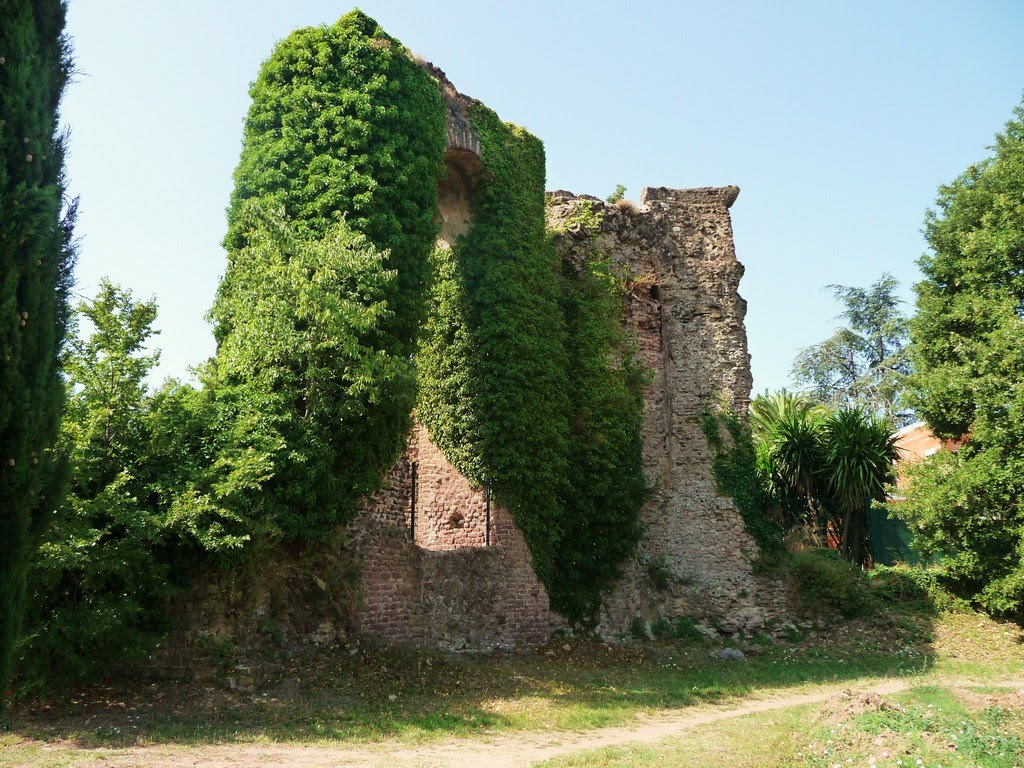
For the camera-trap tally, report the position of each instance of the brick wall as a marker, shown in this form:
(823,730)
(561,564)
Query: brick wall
(446,589)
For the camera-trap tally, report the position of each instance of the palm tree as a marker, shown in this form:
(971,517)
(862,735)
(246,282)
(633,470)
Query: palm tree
(860,452)
(787,436)
(822,466)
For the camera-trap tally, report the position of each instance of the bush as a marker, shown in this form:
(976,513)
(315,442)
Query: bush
(923,588)
(684,628)
(829,583)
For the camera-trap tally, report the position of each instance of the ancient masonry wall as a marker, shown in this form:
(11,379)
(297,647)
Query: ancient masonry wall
(678,261)
(421,570)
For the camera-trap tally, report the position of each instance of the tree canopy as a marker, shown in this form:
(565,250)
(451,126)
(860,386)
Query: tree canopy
(863,363)
(967,349)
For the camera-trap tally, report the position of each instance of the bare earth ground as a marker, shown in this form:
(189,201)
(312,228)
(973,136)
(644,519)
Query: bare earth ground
(494,751)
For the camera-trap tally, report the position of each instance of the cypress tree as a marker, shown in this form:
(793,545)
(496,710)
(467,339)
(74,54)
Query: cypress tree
(35,271)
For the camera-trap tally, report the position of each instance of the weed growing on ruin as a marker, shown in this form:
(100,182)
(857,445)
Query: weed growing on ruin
(734,460)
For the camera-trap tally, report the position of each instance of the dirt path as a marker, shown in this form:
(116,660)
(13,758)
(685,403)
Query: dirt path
(515,750)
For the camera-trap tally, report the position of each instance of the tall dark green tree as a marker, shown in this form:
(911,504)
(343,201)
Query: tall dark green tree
(36,255)
(864,362)
(967,347)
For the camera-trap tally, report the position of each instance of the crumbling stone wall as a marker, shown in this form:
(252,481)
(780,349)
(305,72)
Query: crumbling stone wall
(677,259)
(446,588)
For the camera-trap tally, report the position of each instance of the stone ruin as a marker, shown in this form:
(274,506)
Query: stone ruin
(444,568)
(439,566)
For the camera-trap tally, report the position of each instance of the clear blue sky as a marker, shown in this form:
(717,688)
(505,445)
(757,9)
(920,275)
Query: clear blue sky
(837,120)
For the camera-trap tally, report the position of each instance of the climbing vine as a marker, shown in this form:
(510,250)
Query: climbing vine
(605,440)
(330,227)
(513,330)
(345,124)
(734,466)
(493,383)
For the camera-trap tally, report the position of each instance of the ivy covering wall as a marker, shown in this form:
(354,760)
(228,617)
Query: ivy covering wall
(330,227)
(344,123)
(526,380)
(525,377)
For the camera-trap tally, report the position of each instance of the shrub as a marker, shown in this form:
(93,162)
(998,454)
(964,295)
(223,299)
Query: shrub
(924,588)
(828,583)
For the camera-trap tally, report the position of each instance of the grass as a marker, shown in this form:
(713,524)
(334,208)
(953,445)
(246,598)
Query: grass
(361,695)
(927,726)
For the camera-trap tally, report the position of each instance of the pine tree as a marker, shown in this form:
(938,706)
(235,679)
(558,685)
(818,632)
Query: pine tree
(36,256)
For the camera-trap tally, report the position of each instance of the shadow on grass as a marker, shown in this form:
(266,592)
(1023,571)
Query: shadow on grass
(364,694)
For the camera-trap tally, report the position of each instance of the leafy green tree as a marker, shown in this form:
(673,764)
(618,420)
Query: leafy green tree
(36,256)
(864,362)
(787,429)
(148,501)
(97,577)
(967,347)
(302,388)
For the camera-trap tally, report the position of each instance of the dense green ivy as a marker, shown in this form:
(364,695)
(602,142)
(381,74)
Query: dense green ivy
(605,441)
(493,383)
(526,380)
(312,406)
(345,124)
(734,462)
(331,224)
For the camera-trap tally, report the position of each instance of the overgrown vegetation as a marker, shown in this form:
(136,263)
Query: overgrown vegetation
(36,256)
(309,398)
(821,468)
(98,578)
(345,124)
(513,330)
(828,583)
(318,314)
(966,347)
(605,442)
(735,468)
(141,510)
